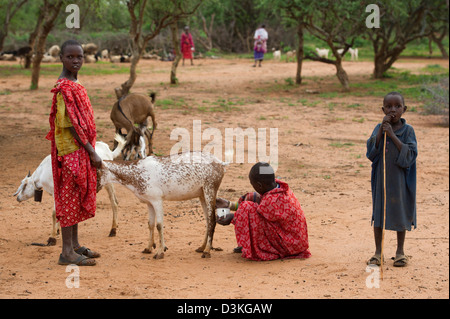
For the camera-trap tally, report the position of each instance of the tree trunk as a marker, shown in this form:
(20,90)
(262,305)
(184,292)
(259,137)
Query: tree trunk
(51,12)
(438,41)
(298,76)
(208,32)
(383,61)
(32,40)
(3,35)
(126,86)
(342,75)
(176,46)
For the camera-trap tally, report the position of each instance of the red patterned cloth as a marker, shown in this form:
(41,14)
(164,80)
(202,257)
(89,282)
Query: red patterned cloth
(74,178)
(273,229)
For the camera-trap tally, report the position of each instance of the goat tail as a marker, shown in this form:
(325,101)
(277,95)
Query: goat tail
(121,140)
(153,96)
(225,164)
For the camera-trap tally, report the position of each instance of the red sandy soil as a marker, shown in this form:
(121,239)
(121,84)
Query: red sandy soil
(331,182)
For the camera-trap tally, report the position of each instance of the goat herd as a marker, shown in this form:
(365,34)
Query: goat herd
(322,53)
(91,50)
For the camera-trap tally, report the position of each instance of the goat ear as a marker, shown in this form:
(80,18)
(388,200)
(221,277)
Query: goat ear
(18,190)
(29,174)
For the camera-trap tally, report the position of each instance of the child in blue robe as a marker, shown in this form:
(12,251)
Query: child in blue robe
(401,154)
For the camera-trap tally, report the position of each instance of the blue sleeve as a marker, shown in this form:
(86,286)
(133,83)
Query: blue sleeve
(373,152)
(408,152)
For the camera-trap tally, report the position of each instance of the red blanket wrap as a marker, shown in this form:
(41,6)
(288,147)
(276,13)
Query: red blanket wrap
(273,229)
(74,178)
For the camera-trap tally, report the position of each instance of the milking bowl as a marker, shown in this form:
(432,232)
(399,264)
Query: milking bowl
(222,212)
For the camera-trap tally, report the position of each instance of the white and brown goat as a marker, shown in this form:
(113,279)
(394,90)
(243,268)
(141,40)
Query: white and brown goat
(42,179)
(134,109)
(174,178)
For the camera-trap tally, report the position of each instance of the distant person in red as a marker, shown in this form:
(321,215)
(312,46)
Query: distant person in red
(270,223)
(74,160)
(187,45)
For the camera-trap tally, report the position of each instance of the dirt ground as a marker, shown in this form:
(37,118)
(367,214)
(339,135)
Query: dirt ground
(321,155)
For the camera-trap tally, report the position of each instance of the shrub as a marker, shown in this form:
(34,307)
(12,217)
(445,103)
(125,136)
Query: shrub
(437,98)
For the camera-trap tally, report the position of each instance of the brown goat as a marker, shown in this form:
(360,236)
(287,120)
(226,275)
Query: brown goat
(134,109)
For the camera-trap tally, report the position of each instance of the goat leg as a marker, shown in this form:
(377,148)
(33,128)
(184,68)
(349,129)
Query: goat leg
(208,204)
(51,241)
(158,206)
(151,228)
(113,200)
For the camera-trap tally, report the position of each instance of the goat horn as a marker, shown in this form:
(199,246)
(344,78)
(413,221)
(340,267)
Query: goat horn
(29,174)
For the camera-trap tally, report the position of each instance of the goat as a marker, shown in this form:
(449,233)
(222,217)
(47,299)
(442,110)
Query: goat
(42,178)
(21,53)
(125,58)
(133,109)
(114,58)
(89,48)
(90,58)
(175,177)
(138,150)
(276,54)
(7,57)
(322,53)
(46,58)
(353,53)
(104,54)
(54,51)
(289,55)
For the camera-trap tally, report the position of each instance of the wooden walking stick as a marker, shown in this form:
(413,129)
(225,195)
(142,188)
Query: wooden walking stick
(384,205)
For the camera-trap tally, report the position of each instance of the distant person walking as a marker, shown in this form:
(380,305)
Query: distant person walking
(187,45)
(260,46)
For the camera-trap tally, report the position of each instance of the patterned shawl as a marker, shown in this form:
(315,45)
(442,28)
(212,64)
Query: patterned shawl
(81,115)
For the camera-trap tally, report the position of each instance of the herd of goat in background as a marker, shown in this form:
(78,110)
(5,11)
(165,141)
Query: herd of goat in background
(93,54)
(91,51)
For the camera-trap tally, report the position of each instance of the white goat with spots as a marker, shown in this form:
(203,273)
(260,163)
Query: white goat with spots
(174,178)
(42,179)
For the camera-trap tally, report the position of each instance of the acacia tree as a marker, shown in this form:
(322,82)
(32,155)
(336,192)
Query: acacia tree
(338,23)
(293,13)
(401,22)
(161,14)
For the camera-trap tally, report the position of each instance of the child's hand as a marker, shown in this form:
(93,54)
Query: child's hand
(387,119)
(225,220)
(95,160)
(387,127)
(222,203)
